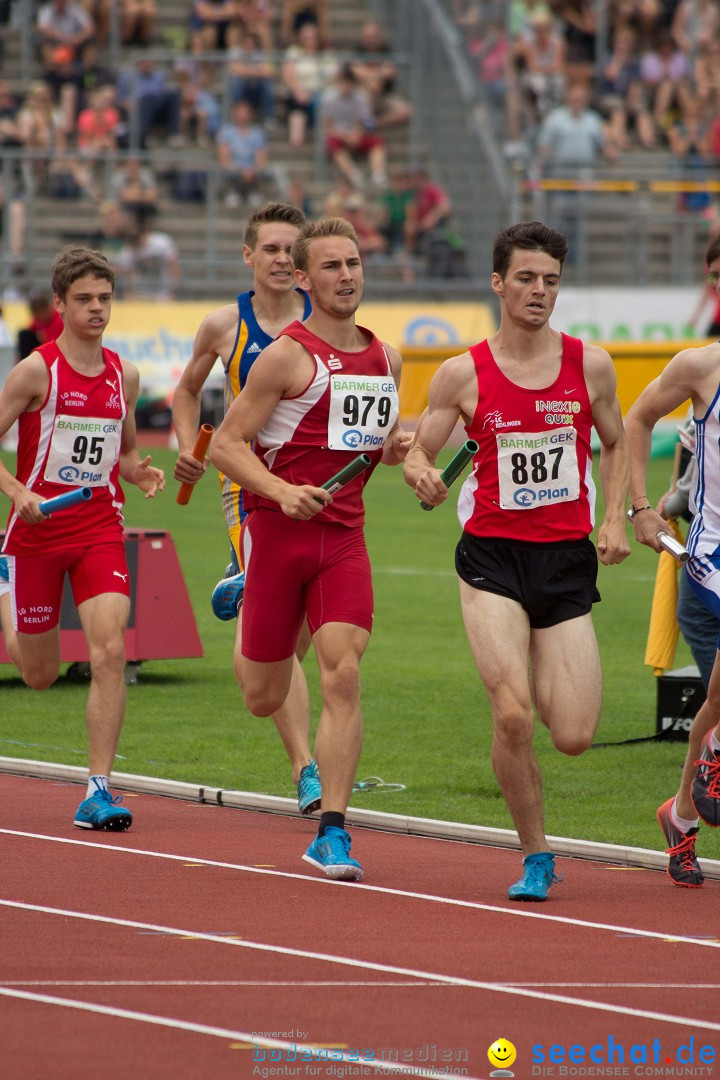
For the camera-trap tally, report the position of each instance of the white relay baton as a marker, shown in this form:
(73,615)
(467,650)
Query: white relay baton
(668,543)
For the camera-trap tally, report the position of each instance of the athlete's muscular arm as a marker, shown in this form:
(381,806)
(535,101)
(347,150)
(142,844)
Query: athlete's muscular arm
(398,442)
(133,469)
(280,371)
(24,391)
(449,399)
(187,399)
(600,379)
(692,373)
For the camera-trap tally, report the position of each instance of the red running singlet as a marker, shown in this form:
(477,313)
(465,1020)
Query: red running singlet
(349,407)
(73,440)
(532,476)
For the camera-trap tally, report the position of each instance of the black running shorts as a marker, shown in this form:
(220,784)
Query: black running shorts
(553,582)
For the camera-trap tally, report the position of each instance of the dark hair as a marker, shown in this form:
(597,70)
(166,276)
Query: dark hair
(269,214)
(319,230)
(528,236)
(75,262)
(713,251)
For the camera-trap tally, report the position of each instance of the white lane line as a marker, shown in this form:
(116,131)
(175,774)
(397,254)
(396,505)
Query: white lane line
(350,982)
(376,983)
(517,912)
(223,1033)
(368,965)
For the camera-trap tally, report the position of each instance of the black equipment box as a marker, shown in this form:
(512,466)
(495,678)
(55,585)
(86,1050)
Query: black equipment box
(680,694)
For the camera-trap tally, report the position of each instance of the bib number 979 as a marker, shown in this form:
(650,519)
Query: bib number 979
(356,410)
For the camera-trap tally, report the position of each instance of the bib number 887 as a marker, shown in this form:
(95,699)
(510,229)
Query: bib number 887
(535,467)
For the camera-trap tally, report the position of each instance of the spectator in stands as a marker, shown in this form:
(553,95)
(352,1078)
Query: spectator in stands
(12,221)
(579,28)
(45,325)
(252,76)
(348,125)
(39,128)
(150,100)
(259,15)
(541,55)
(65,29)
(137,21)
(623,101)
(572,135)
(428,216)
(696,23)
(242,155)
(200,114)
(134,188)
(9,108)
(688,139)
(299,13)
(306,71)
(96,136)
(214,24)
(395,202)
(706,73)
(521,14)
(644,17)
(151,266)
(665,73)
(112,240)
(376,72)
(494,54)
(370,240)
(572,139)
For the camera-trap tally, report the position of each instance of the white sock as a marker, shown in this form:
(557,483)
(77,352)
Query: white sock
(713,743)
(681,823)
(95,782)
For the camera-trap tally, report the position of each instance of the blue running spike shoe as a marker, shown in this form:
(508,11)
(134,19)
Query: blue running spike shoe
(538,877)
(331,854)
(683,868)
(227,597)
(101,811)
(4,569)
(705,792)
(309,790)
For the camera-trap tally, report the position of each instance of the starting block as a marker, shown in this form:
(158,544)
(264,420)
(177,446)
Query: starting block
(161,626)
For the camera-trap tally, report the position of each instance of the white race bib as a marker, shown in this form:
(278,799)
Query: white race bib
(83,450)
(363,410)
(537,468)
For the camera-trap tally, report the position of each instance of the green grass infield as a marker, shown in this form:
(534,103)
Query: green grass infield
(427,722)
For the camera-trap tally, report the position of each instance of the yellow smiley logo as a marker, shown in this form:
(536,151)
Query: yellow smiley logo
(501,1054)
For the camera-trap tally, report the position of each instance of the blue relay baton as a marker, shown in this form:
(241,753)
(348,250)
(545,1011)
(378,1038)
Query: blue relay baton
(451,472)
(64,502)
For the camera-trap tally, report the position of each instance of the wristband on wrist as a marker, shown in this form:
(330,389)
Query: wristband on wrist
(636,510)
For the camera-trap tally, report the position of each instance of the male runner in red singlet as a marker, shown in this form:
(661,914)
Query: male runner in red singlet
(75,403)
(323,392)
(529,397)
(237,333)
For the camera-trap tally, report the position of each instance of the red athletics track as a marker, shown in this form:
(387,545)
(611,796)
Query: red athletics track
(201,927)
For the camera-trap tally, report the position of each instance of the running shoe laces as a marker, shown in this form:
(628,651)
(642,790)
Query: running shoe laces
(712,775)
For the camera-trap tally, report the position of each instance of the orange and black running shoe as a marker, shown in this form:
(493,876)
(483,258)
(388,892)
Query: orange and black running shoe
(683,868)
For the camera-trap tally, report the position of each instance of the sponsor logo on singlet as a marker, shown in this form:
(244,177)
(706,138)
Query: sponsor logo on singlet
(558,412)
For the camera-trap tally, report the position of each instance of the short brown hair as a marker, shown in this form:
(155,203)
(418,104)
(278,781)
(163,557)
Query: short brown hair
(269,214)
(75,262)
(528,236)
(319,230)
(713,250)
